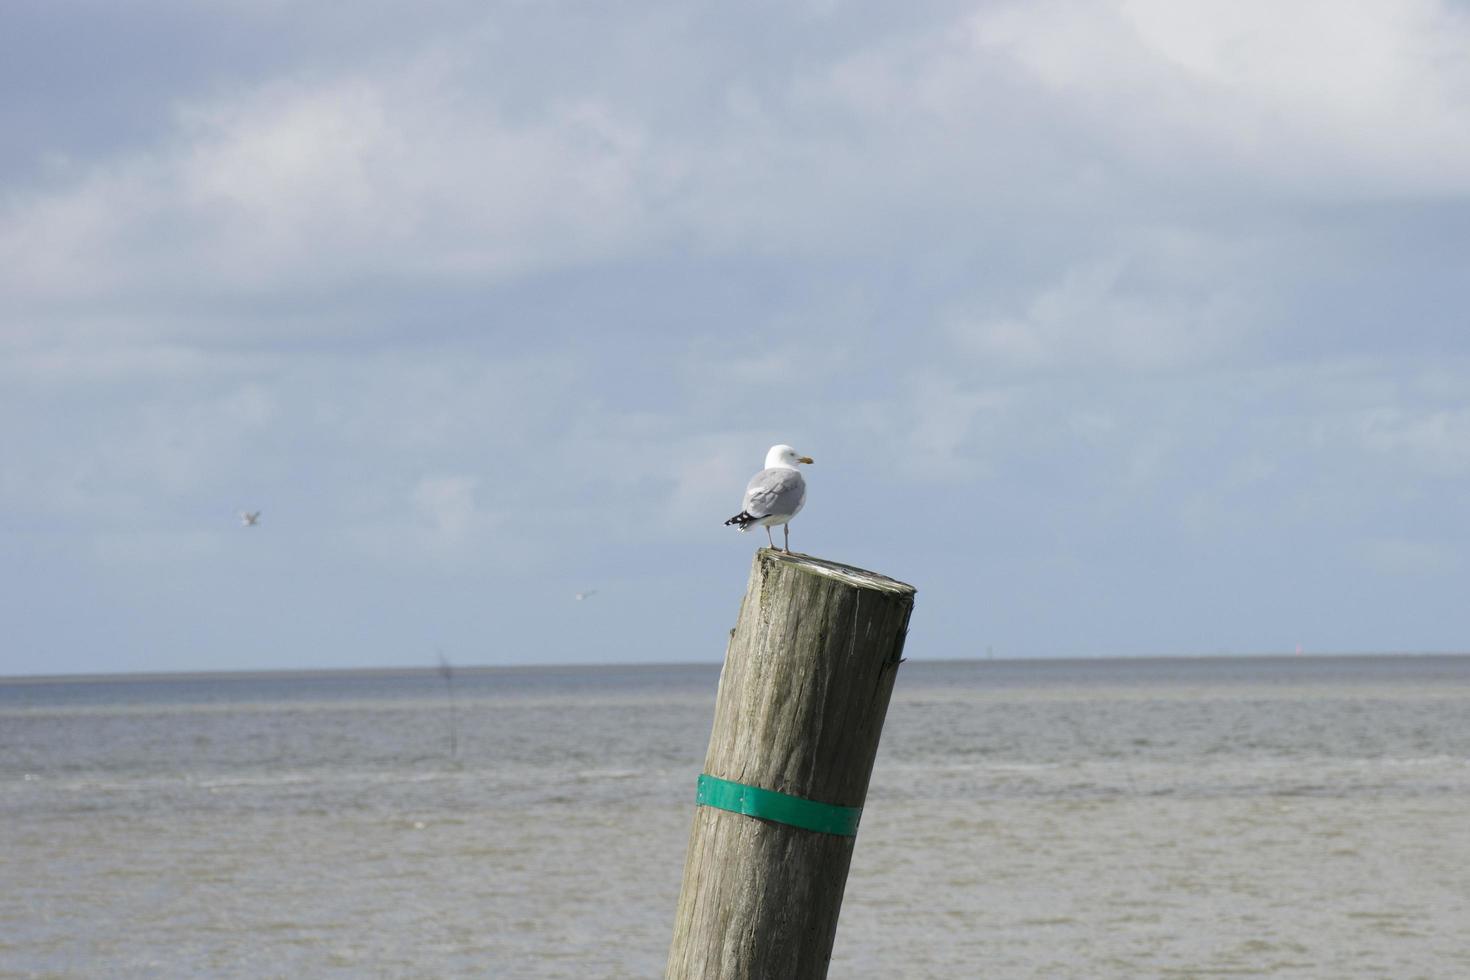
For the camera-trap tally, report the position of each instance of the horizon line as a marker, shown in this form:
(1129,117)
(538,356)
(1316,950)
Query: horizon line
(227,673)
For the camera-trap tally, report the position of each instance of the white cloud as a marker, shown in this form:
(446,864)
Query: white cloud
(1407,556)
(316,186)
(949,429)
(1085,108)
(250,406)
(445,520)
(1322,98)
(1124,311)
(1436,441)
(67,364)
(709,479)
(446,504)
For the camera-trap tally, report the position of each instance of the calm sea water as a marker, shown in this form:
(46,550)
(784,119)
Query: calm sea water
(1294,817)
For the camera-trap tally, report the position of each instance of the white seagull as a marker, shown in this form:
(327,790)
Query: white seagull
(249,518)
(584,595)
(774,495)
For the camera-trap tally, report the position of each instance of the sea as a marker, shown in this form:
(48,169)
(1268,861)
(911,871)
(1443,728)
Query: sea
(1196,817)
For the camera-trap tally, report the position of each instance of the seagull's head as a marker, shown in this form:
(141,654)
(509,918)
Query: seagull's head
(784,456)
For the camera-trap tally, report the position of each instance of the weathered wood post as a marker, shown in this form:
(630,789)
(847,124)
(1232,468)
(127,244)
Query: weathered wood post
(802,696)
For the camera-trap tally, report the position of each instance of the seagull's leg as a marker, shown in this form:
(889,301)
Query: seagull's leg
(769,538)
(786,530)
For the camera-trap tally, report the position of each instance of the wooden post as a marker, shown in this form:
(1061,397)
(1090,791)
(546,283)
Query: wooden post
(802,696)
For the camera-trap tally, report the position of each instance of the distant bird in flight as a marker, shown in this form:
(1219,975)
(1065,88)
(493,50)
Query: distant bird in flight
(249,518)
(774,495)
(584,595)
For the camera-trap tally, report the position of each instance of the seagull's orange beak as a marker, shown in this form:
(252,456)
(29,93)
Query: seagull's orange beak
(803,459)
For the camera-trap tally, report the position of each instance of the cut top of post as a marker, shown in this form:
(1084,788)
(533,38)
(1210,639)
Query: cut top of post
(850,574)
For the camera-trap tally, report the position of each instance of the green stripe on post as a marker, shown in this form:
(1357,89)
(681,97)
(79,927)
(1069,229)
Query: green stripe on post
(766,804)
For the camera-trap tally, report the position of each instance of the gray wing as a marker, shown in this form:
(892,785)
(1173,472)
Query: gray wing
(775,491)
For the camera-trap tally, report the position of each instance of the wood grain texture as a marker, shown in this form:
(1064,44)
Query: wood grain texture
(800,709)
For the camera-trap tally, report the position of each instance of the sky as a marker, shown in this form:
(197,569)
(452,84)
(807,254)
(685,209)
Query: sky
(1116,328)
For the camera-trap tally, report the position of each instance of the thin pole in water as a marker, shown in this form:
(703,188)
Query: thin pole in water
(446,671)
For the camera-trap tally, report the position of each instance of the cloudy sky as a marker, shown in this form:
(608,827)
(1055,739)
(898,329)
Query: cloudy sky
(1132,327)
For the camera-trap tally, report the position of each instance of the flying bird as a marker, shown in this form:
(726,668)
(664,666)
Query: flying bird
(249,518)
(774,495)
(583,595)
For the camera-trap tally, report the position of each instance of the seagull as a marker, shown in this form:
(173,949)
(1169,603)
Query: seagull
(774,495)
(249,518)
(583,595)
